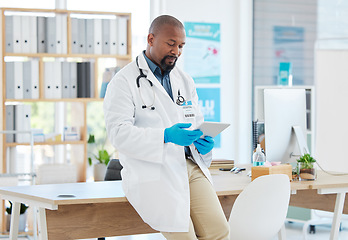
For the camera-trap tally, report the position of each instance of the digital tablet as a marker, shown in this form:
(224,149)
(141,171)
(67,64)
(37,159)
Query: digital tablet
(212,129)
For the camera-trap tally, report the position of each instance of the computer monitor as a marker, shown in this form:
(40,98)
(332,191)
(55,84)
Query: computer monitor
(285,124)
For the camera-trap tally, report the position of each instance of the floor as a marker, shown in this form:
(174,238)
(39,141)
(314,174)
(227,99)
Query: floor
(293,232)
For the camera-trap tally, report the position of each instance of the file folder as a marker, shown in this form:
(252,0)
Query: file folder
(113,36)
(48,79)
(73,80)
(51,34)
(122,35)
(74,36)
(25,21)
(58,35)
(10,122)
(18,80)
(27,80)
(57,80)
(10,85)
(22,122)
(64,31)
(9,33)
(33,34)
(98,36)
(17,41)
(90,36)
(65,79)
(34,79)
(41,35)
(106,36)
(82,35)
(81,80)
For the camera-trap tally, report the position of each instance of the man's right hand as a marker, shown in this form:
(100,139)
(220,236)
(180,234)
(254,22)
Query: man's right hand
(179,135)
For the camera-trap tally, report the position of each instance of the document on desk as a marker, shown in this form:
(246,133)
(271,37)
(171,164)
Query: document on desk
(212,129)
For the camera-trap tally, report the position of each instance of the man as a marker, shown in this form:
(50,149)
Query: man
(151,113)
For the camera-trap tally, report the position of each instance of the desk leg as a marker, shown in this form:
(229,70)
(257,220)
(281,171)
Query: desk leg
(337,215)
(42,223)
(282,233)
(14,220)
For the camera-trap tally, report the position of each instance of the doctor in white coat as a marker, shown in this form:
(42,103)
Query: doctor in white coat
(151,113)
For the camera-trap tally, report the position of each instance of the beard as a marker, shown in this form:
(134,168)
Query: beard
(165,66)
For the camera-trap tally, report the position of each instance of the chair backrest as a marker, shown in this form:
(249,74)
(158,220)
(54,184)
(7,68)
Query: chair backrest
(260,209)
(113,170)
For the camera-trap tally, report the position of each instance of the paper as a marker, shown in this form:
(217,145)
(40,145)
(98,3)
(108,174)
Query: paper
(212,129)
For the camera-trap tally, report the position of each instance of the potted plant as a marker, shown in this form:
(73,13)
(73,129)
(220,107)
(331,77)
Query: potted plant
(101,159)
(305,167)
(22,217)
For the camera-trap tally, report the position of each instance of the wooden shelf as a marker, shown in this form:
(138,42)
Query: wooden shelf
(46,143)
(84,100)
(68,55)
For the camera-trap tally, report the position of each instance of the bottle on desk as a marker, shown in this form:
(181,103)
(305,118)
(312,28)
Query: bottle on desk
(259,157)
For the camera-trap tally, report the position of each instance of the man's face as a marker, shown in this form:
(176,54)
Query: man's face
(166,46)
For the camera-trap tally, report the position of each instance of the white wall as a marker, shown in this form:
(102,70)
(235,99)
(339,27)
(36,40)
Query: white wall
(235,18)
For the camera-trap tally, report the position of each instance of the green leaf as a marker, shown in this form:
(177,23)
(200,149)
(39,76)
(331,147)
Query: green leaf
(91,139)
(90,161)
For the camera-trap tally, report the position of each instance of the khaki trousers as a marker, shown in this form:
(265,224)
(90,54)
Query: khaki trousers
(208,221)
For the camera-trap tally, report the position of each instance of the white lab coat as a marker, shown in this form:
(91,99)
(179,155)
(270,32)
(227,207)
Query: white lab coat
(154,176)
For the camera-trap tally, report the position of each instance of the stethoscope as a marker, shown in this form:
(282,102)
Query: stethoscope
(180,100)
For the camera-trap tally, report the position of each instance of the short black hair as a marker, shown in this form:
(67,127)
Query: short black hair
(158,22)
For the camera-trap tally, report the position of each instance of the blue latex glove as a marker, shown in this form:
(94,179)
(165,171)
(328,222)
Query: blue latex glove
(180,136)
(204,145)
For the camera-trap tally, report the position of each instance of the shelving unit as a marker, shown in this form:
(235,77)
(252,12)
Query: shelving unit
(79,103)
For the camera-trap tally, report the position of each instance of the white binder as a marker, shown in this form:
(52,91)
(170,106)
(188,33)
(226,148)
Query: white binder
(59,23)
(51,34)
(22,122)
(33,34)
(10,122)
(122,35)
(65,79)
(48,79)
(98,36)
(73,80)
(106,36)
(27,80)
(26,24)
(90,36)
(17,43)
(113,36)
(34,79)
(9,33)
(82,35)
(64,32)
(10,86)
(74,36)
(41,35)
(57,80)
(18,80)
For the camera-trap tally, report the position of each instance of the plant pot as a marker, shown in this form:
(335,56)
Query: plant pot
(22,222)
(99,171)
(306,174)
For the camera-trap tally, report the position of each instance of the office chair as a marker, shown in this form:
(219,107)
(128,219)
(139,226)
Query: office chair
(260,209)
(113,172)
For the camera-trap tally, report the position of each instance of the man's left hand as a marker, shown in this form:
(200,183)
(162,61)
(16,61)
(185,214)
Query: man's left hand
(204,145)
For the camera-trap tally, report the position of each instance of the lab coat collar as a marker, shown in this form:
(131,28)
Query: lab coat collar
(145,67)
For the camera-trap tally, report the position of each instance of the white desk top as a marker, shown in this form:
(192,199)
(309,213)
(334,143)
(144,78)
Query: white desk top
(90,192)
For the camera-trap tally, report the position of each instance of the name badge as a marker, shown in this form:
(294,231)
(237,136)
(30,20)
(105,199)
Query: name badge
(188,110)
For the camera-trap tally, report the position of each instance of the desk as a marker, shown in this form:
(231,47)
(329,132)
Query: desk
(100,209)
